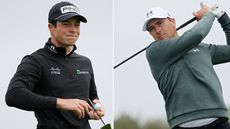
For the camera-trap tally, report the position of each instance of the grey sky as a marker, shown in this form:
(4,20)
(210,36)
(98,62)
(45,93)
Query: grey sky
(135,90)
(24,30)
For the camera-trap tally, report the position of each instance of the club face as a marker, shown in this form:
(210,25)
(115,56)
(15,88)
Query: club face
(107,126)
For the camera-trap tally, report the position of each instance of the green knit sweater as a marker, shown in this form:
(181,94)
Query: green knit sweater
(183,69)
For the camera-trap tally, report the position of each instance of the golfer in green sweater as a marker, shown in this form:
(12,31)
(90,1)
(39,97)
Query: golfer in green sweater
(183,68)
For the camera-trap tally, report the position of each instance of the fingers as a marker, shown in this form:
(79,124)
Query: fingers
(203,10)
(194,14)
(98,112)
(77,106)
(101,112)
(94,115)
(78,109)
(96,101)
(85,106)
(201,4)
(82,108)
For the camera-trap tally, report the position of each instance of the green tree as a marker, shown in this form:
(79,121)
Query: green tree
(126,122)
(155,124)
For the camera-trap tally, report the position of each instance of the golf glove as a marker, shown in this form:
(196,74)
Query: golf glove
(217,11)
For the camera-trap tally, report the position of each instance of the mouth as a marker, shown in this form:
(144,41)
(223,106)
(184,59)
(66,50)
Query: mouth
(71,36)
(161,36)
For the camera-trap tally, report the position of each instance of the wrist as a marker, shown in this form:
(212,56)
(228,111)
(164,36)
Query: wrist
(58,103)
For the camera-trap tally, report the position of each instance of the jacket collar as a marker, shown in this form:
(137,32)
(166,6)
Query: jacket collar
(58,50)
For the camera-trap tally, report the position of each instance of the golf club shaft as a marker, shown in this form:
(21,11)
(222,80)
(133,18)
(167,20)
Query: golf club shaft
(186,23)
(130,57)
(102,121)
(91,104)
(181,26)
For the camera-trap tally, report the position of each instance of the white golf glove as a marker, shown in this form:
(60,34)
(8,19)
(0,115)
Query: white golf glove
(216,10)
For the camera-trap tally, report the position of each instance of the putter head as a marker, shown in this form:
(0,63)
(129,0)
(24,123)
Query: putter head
(107,126)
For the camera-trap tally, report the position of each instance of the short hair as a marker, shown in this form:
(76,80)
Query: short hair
(53,23)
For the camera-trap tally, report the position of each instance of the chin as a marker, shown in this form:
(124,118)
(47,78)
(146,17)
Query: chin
(71,41)
(163,38)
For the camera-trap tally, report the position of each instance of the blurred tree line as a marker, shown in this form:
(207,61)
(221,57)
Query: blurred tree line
(125,121)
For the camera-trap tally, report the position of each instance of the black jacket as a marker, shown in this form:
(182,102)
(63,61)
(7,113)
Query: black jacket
(47,74)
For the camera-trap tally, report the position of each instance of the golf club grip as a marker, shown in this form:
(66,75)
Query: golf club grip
(181,26)
(186,23)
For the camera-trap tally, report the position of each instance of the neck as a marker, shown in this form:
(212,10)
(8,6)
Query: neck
(176,35)
(68,49)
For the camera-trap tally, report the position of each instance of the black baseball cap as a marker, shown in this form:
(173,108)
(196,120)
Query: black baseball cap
(63,11)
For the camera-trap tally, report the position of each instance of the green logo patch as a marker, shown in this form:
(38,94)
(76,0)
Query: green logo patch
(78,72)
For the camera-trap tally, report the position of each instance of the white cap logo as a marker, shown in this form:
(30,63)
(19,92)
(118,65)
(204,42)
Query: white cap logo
(149,13)
(67,9)
(156,12)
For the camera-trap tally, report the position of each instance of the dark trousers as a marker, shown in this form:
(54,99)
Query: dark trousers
(221,123)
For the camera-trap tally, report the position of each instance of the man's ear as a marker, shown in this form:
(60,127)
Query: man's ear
(173,20)
(51,27)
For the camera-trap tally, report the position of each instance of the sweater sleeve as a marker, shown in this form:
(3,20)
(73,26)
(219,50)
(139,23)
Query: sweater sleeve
(93,89)
(20,91)
(221,53)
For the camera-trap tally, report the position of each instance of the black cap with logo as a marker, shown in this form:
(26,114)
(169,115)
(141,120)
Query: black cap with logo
(63,11)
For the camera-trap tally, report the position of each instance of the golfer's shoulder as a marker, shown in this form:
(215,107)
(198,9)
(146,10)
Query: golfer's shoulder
(153,51)
(157,46)
(80,57)
(34,57)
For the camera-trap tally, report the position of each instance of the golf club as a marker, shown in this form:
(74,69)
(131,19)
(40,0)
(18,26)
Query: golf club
(106,126)
(181,26)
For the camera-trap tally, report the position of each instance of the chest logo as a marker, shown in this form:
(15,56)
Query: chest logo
(194,50)
(79,72)
(55,70)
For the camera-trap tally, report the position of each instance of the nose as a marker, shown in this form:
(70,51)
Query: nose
(158,29)
(73,28)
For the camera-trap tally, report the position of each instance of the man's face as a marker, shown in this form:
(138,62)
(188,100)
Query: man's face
(162,28)
(66,33)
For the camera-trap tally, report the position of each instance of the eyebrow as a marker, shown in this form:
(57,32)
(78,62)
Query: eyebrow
(155,21)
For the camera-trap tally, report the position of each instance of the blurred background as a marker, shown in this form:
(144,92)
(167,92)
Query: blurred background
(138,103)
